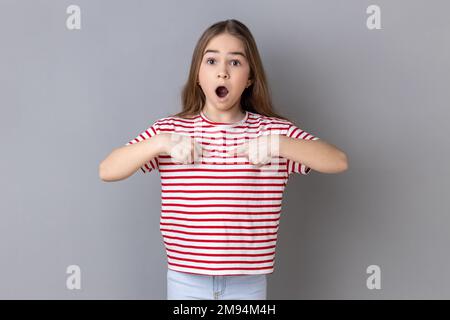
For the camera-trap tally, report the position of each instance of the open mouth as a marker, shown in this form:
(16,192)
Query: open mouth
(221,91)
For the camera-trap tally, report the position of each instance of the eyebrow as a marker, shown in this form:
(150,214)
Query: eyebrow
(230,53)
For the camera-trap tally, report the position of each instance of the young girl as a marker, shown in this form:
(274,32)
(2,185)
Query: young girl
(224,162)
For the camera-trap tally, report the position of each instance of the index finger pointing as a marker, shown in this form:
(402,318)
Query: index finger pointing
(239,150)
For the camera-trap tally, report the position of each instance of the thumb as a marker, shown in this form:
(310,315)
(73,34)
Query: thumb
(197,150)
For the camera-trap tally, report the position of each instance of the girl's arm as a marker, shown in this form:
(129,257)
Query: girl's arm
(316,154)
(122,162)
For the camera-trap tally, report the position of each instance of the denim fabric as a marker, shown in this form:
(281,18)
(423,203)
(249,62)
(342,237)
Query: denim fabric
(187,286)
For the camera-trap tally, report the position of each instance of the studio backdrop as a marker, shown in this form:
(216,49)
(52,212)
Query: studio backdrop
(80,78)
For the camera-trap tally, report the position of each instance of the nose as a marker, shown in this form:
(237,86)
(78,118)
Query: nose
(223,75)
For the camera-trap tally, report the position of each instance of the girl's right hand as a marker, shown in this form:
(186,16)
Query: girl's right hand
(183,149)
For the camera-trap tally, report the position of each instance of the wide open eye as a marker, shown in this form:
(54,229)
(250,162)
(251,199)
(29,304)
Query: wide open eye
(238,63)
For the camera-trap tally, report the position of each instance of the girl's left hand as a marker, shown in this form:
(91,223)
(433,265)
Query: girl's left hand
(259,151)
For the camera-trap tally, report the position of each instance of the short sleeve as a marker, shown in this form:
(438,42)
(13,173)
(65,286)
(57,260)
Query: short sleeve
(151,131)
(297,133)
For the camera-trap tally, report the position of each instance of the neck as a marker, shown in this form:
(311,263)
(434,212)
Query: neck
(227,116)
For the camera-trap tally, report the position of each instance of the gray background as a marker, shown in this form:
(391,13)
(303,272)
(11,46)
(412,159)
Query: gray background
(69,97)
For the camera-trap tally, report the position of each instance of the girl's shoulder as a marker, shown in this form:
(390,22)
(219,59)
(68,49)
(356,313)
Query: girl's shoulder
(177,121)
(267,120)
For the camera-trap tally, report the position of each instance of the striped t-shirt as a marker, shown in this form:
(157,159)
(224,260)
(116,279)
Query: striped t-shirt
(220,215)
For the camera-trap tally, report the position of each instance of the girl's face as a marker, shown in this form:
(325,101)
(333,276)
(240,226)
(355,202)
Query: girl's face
(224,64)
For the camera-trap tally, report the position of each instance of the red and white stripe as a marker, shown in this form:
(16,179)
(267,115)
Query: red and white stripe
(220,215)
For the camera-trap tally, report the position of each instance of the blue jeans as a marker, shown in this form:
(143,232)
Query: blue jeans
(187,286)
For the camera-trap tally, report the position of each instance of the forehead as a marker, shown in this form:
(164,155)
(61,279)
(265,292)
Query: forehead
(225,43)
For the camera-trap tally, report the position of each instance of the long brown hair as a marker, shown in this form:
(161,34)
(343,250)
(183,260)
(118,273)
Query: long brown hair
(256,98)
